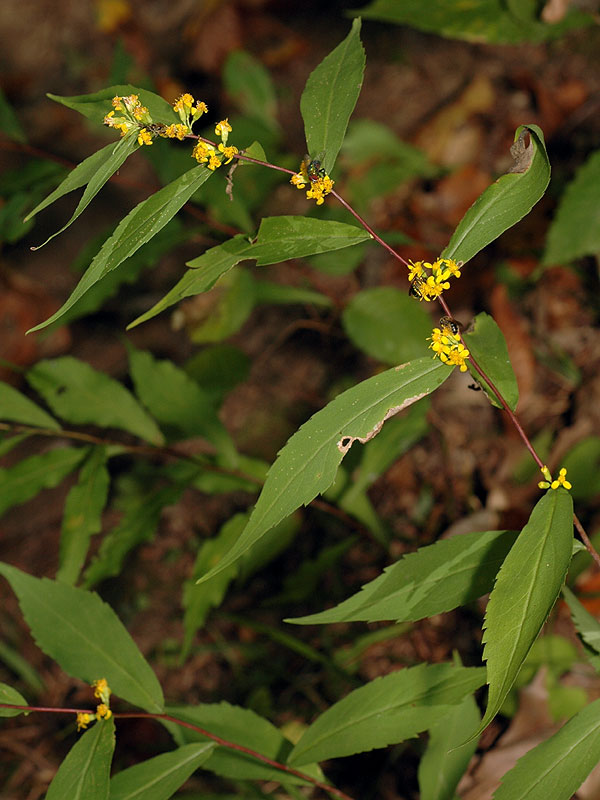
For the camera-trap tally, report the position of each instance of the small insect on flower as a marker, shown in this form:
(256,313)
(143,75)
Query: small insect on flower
(314,170)
(450,325)
(418,288)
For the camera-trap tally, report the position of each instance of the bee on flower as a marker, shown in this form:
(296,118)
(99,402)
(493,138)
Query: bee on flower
(447,346)
(313,175)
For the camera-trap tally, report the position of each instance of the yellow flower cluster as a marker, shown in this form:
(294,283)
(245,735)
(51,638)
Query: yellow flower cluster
(428,281)
(189,111)
(206,153)
(133,116)
(320,183)
(447,346)
(102,693)
(560,481)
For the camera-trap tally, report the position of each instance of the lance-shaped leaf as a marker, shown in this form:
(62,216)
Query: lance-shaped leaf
(83,515)
(176,400)
(488,346)
(137,228)
(507,200)
(278,239)
(443,763)
(23,481)
(95,172)
(80,394)
(308,463)
(557,767)
(84,635)
(526,588)
(96,106)
(587,627)
(15,407)
(330,95)
(386,711)
(85,772)
(496,21)
(160,777)
(435,579)
(244,727)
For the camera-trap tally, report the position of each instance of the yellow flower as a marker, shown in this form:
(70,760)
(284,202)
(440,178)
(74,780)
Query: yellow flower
(319,187)
(176,131)
(228,151)
(103,711)
(298,180)
(201,108)
(214,162)
(201,152)
(101,689)
(560,481)
(183,103)
(144,137)
(223,127)
(83,720)
(448,348)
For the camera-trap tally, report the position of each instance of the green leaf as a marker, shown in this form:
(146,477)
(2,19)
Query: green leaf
(80,394)
(83,515)
(15,407)
(387,324)
(308,463)
(507,200)
(23,481)
(137,228)
(278,239)
(95,171)
(488,346)
(250,86)
(575,229)
(330,95)
(244,727)
(9,122)
(476,21)
(84,635)
(96,106)
(526,588)
(161,776)
(434,579)
(228,306)
(587,627)
(386,711)
(85,772)
(443,763)
(10,695)
(270,293)
(138,525)
(556,768)
(176,400)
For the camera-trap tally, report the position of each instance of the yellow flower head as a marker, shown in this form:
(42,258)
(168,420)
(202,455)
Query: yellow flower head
(103,711)
(201,108)
(177,131)
(83,720)
(201,152)
(428,281)
(183,103)
(228,151)
(214,162)
(447,346)
(223,129)
(560,481)
(144,137)
(101,690)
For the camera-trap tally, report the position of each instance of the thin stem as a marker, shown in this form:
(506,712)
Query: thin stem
(368,228)
(212,736)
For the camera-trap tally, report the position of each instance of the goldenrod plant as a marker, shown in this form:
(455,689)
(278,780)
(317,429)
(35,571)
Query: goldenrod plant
(370,424)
